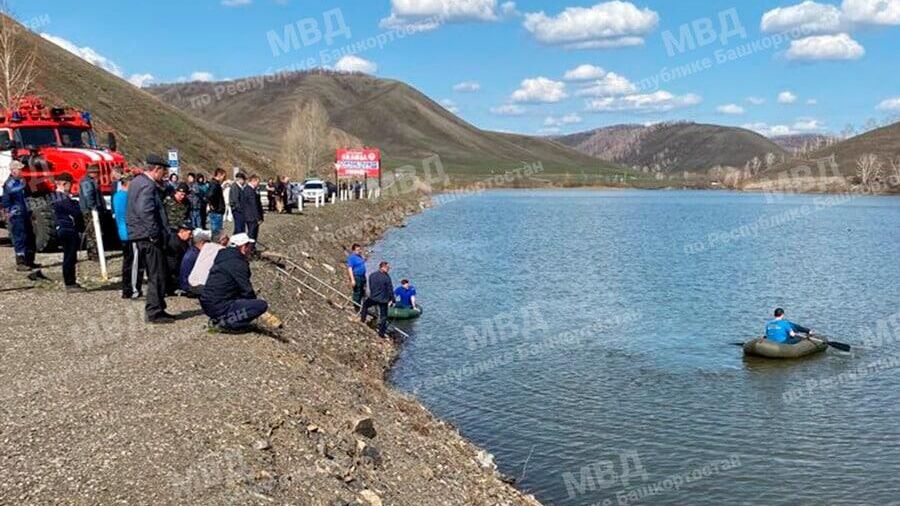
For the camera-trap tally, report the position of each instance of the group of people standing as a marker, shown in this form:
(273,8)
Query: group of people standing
(376,291)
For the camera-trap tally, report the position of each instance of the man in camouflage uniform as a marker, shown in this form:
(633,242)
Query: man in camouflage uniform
(178,209)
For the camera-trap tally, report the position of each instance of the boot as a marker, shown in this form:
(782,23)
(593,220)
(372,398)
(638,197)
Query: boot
(270,321)
(29,261)
(21,265)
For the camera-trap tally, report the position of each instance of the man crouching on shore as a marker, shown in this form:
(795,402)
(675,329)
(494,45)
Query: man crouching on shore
(228,298)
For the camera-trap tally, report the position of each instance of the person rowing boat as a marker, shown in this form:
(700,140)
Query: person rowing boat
(782,331)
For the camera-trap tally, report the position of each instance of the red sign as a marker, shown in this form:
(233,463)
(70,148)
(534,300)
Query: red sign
(365,162)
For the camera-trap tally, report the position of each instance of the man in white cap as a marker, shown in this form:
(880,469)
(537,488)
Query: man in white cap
(228,298)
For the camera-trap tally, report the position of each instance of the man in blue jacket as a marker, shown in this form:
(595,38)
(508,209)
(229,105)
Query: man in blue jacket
(18,216)
(783,331)
(228,298)
(69,225)
(356,269)
(381,294)
(132,266)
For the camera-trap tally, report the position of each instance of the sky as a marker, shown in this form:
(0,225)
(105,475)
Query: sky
(533,67)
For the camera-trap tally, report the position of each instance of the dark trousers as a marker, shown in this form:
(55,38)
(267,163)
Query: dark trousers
(132,270)
(252,228)
(70,242)
(240,313)
(90,237)
(154,258)
(22,235)
(359,288)
(239,224)
(382,314)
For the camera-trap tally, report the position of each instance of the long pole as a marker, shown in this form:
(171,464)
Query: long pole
(98,233)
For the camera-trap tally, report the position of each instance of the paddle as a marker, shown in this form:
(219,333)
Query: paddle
(834,344)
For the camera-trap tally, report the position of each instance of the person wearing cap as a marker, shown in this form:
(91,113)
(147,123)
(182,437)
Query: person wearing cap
(405,294)
(69,222)
(200,238)
(236,202)
(177,245)
(146,222)
(381,294)
(178,208)
(90,199)
(18,216)
(780,330)
(228,298)
(206,258)
(132,267)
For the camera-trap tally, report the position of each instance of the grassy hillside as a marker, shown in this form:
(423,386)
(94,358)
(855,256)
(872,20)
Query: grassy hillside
(674,147)
(407,125)
(142,123)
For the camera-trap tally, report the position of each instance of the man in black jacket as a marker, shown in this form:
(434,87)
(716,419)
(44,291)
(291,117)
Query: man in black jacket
(251,208)
(381,294)
(235,201)
(147,228)
(216,200)
(228,298)
(69,224)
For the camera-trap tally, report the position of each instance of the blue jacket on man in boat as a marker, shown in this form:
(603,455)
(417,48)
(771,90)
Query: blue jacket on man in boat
(779,330)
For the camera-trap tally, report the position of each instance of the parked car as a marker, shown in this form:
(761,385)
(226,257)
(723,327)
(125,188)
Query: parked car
(314,189)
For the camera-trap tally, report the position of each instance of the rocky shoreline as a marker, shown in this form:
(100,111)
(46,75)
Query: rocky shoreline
(99,408)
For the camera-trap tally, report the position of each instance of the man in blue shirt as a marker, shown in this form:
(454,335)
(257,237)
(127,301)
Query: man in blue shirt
(18,216)
(132,266)
(356,271)
(783,331)
(406,295)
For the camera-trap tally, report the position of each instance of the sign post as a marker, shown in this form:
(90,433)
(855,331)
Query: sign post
(351,163)
(173,161)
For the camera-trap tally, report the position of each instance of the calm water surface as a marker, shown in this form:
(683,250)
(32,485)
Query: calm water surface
(569,329)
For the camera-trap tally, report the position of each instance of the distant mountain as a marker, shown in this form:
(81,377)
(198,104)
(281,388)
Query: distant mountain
(803,143)
(407,125)
(142,123)
(673,147)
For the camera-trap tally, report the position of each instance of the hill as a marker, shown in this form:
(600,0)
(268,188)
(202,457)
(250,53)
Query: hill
(407,125)
(673,147)
(142,123)
(803,143)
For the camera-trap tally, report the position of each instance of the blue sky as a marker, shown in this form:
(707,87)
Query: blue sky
(835,62)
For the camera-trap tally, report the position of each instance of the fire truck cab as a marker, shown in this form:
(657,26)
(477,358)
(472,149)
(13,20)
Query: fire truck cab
(50,142)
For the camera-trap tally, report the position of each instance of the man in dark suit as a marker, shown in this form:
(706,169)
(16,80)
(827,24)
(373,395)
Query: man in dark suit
(251,207)
(381,294)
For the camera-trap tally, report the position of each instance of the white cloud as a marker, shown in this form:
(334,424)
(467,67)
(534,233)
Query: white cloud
(659,101)
(812,101)
(605,25)
(611,84)
(800,126)
(141,80)
(890,104)
(467,87)
(236,3)
(872,12)
(825,47)
(424,15)
(584,72)
(508,110)
(810,17)
(756,100)
(85,53)
(351,63)
(548,130)
(540,89)
(202,76)
(568,119)
(450,105)
(733,109)
(786,97)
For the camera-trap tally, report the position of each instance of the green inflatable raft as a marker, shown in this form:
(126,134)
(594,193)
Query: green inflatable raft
(760,347)
(404,313)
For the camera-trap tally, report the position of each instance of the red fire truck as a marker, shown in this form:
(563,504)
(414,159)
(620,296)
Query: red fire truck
(50,142)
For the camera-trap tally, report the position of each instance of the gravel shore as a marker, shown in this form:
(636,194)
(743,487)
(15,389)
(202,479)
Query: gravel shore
(97,407)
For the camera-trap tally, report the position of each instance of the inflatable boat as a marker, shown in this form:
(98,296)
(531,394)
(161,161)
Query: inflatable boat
(404,313)
(760,347)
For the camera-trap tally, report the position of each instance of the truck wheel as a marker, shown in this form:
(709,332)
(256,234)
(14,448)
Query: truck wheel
(44,224)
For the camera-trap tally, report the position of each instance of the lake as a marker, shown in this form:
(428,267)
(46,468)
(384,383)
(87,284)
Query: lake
(583,338)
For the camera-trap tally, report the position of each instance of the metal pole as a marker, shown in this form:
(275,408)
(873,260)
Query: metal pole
(98,233)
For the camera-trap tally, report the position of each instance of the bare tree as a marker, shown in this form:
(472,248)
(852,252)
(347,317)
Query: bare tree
(770,160)
(868,168)
(306,143)
(753,166)
(895,170)
(18,71)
